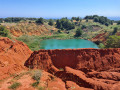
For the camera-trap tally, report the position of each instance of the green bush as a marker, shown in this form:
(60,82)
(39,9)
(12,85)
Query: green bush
(115,31)
(59,31)
(37,75)
(64,23)
(87,20)
(3,31)
(14,85)
(1,20)
(40,21)
(118,23)
(42,88)
(113,42)
(77,19)
(101,45)
(78,32)
(61,69)
(106,24)
(35,84)
(83,27)
(96,19)
(51,22)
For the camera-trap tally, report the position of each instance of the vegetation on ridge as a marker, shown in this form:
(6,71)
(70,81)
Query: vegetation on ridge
(14,85)
(4,32)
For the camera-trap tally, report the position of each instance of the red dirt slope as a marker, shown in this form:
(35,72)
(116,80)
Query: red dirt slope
(100,37)
(13,54)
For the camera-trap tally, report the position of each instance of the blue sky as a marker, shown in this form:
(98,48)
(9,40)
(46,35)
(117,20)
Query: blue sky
(59,8)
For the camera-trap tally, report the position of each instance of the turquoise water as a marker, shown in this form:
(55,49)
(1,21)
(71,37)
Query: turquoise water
(66,44)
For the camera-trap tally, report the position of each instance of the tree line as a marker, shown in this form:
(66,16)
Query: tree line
(100,19)
(15,19)
(96,18)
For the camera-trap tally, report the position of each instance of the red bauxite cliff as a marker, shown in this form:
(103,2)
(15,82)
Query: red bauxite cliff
(96,59)
(86,69)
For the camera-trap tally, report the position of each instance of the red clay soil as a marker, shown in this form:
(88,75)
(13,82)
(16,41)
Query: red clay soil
(13,54)
(73,86)
(96,69)
(100,37)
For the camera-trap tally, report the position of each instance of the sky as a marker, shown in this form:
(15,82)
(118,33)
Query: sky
(59,8)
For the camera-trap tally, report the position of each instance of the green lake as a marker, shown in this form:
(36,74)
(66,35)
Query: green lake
(66,44)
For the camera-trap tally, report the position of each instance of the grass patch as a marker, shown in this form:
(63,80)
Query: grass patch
(61,69)
(33,42)
(18,76)
(42,88)
(15,85)
(35,84)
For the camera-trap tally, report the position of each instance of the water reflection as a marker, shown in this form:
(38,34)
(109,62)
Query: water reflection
(65,44)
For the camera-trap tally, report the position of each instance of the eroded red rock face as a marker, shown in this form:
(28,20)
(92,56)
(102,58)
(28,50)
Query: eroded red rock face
(41,60)
(13,54)
(94,69)
(96,59)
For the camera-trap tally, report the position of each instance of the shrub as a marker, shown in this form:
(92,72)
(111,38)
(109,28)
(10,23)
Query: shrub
(1,20)
(106,24)
(3,31)
(41,88)
(113,42)
(64,23)
(14,85)
(115,31)
(78,32)
(35,84)
(101,45)
(83,27)
(77,19)
(59,31)
(96,19)
(51,22)
(61,69)
(37,75)
(87,20)
(40,21)
(118,23)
